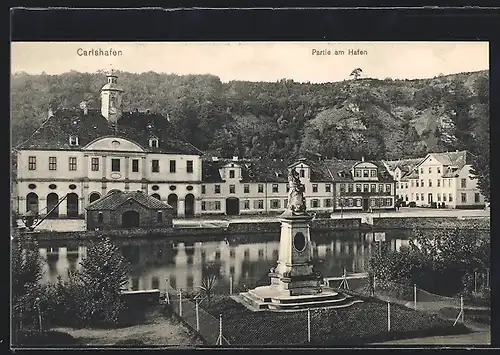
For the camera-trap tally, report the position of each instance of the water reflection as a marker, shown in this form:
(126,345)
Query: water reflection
(248,259)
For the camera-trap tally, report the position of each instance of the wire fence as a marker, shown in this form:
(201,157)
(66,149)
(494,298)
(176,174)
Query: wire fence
(190,310)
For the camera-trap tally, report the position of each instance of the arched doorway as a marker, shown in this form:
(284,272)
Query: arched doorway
(52,200)
(72,203)
(172,201)
(156,196)
(232,206)
(189,205)
(130,219)
(94,196)
(32,202)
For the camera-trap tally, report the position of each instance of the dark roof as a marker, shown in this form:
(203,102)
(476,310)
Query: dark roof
(115,199)
(405,165)
(252,170)
(134,126)
(211,171)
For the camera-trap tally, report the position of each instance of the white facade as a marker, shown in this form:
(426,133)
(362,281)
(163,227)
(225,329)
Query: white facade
(103,165)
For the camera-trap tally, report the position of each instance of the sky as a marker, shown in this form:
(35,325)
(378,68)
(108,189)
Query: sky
(257,61)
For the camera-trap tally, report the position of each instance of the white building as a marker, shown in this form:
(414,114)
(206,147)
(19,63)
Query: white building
(443,178)
(79,155)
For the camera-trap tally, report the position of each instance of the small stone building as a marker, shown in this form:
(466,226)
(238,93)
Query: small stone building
(119,210)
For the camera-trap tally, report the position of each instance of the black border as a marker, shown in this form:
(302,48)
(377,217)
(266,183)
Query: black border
(402,24)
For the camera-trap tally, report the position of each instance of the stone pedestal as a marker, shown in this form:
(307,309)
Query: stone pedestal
(294,272)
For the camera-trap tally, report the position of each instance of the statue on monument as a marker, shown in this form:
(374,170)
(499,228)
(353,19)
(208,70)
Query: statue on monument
(296,200)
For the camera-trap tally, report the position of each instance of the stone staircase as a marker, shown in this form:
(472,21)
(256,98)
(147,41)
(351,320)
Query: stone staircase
(255,302)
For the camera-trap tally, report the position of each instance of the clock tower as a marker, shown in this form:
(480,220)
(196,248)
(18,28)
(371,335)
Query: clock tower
(111,98)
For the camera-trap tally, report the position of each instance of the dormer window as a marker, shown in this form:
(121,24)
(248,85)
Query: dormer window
(73,141)
(153,142)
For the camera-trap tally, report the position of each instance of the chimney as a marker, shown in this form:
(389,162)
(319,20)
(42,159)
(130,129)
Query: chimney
(235,158)
(215,159)
(363,158)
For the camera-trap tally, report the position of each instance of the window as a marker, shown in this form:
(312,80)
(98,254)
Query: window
(411,183)
(430,170)
(172,166)
(444,197)
(416,181)
(232,189)
(464,197)
(421,170)
(357,173)
(365,187)
(373,202)
(439,197)
(155,166)
(449,182)
(421,183)
(314,203)
(52,163)
(100,217)
(115,164)
(366,173)
(418,197)
(358,187)
(217,189)
(388,188)
(397,185)
(203,205)
(32,163)
(422,196)
(275,204)
(438,183)
(358,202)
(373,188)
(463,183)
(260,204)
(476,198)
(287,188)
(189,166)
(153,142)
(406,185)
(373,173)
(135,165)
(380,188)
(439,170)
(450,197)
(406,198)
(328,188)
(246,254)
(350,202)
(72,163)
(217,205)
(275,188)
(260,188)
(328,202)
(388,202)
(73,141)
(342,188)
(302,173)
(246,204)
(231,174)
(94,164)
(159,216)
(246,188)
(135,284)
(350,187)
(315,187)
(261,254)
(430,183)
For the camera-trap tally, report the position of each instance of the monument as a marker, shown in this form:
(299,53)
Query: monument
(295,284)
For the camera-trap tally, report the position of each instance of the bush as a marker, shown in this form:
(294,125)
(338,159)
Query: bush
(47,338)
(412,204)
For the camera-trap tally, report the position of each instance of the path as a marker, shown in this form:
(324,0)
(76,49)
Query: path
(475,338)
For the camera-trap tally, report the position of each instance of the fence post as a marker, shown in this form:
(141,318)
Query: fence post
(388,316)
(219,340)
(180,302)
(230,284)
(308,325)
(373,285)
(415,295)
(167,298)
(197,318)
(462,307)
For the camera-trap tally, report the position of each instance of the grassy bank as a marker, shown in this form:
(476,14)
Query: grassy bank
(362,323)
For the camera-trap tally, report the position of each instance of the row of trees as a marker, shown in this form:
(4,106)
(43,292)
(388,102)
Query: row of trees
(442,261)
(91,296)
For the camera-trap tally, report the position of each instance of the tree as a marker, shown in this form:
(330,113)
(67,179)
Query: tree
(481,171)
(356,73)
(103,275)
(27,272)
